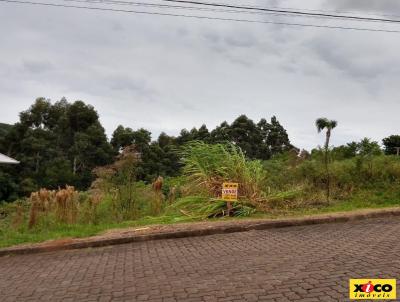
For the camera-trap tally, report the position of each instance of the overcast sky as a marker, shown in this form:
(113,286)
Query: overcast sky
(167,73)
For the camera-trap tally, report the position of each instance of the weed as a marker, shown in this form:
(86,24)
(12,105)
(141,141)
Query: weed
(206,167)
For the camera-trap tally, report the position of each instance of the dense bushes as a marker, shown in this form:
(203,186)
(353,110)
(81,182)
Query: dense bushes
(286,183)
(288,173)
(208,166)
(117,195)
(355,173)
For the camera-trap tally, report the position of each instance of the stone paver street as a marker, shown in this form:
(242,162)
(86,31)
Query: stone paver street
(309,263)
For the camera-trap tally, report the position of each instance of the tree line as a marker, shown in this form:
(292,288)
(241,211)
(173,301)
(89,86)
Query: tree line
(62,142)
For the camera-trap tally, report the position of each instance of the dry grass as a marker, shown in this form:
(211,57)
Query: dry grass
(67,205)
(63,203)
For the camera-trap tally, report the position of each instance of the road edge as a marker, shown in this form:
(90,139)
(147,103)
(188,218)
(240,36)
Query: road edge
(214,228)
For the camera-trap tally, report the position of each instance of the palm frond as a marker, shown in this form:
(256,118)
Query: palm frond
(332,124)
(321,123)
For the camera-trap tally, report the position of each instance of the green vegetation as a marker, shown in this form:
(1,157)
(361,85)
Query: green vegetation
(392,144)
(286,185)
(61,143)
(57,144)
(12,234)
(206,167)
(132,181)
(48,229)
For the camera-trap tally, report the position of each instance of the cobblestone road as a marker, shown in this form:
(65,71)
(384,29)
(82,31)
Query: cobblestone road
(310,263)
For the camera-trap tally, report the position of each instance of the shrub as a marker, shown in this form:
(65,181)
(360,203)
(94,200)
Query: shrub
(206,167)
(347,176)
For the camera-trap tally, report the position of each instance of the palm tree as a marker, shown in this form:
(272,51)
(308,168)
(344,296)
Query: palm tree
(329,125)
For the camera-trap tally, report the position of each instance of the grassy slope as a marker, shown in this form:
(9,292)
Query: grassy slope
(10,237)
(364,200)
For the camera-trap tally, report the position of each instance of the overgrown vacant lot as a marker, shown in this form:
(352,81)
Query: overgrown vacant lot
(286,185)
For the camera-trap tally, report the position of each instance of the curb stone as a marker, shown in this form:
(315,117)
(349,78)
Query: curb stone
(199,230)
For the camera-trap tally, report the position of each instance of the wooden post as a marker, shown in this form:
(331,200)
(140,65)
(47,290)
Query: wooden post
(229,208)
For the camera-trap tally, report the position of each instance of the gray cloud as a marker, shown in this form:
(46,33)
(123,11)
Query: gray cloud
(387,6)
(166,73)
(359,60)
(32,66)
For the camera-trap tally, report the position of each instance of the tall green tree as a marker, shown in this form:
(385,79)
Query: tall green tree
(366,147)
(258,141)
(142,139)
(122,137)
(202,134)
(185,136)
(277,139)
(391,144)
(57,144)
(170,160)
(4,129)
(245,134)
(328,125)
(221,133)
(265,151)
(157,158)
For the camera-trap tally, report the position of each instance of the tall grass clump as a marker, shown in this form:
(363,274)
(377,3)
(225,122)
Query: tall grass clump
(62,205)
(207,166)
(203,207)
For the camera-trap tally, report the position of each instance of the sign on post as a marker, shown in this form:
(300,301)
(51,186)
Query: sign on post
(230,191)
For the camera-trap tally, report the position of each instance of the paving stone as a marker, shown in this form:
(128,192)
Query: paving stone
(304,263)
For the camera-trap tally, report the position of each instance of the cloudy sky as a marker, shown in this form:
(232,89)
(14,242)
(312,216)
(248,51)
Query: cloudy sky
(168,73)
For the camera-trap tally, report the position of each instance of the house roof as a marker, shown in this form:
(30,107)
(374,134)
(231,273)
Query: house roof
(7,160)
